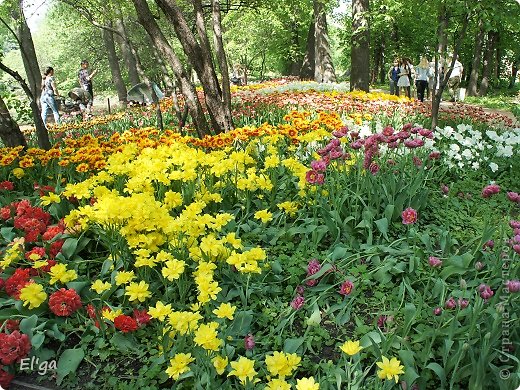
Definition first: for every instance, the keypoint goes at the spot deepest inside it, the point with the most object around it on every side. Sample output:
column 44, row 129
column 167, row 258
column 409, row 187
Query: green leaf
column 7, row 233
column 315, row 317
column 338, row 253
column 122, row 343
column 28, row 324
column 69, row 247
column 68, row 362
column 382, row 225
column 37, row 340
column 292, row 345
column 435, row 367
column 325, row 268
column 242, row 323
column 78, row 286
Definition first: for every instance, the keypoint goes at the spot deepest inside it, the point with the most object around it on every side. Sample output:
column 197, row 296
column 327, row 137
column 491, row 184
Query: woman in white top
column 47, row 100
column 405, row 76
column 422, row 74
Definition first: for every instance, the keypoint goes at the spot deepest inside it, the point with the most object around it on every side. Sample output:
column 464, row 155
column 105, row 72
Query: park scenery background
column 291, row 232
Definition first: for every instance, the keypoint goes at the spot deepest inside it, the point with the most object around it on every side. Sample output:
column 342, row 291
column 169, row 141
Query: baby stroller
column 77, row 104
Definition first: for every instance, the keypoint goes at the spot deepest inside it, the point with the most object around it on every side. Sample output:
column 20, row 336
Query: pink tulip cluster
column 490, row 190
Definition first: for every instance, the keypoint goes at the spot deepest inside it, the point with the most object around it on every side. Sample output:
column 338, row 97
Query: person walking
column 47, row 98
column 393, row 77
column 422, row 74
column 85, row 81
column 454, row 80
column 405, row 75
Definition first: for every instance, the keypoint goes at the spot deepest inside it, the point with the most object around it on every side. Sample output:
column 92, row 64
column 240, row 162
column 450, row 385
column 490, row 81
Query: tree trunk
column 168, row 83
column 202, row 63
column 222, row 60
column 498, row 59
column 147, row 20
column 41, row 131
column 10, row 133
column 308, row 66
column 475, row 64
column 30, row 61
column 514, row 71
column 115, row 70
column 488, row 62
column 442, row 43
column 360, row 52
column 129, row 57
column 324, row 68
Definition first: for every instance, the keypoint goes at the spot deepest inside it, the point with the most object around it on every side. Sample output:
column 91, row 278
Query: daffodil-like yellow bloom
column 220, row 363
column 40, row 263
column 282, row 364
column 12, row 254
column 99, row 286
column 264, row 215
column 289, row 207
column 50, row 198
column 390, row 369
column 179, row 365
column 173, row 269
column 33, row 295
column 225, row 310
column 160, row 311
column 184, row 321
column 307, row 384
column 351, row 347
column 124, row 277
column 110, row 314
column 278, row 384
column 138, row 291
column 59, row 273
column 206, row 337
column 18, row 172
column 243, row 369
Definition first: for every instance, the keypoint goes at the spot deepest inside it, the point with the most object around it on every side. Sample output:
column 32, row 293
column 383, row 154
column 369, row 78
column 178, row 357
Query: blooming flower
column 278, row 384
column 123, row 277
column 450, row 303
column 99, row 287
column 297, row 302
column 64, row 302
column 485, row 291
column 409, row 216
column 307, row 384
column 513, row 285
column 346, row 287
column 125, row 323
column 489, row 190
column 220, row 363
column 225, row 310
column 33, row 295
column 13, row 347
column 390, row 369
column 434, row 262
column 179, row 365
column 351, row 347
column 59, row 273
column 50, row 198
column 282, row 364
column 243, row 369
column 160, row 311
column 264, row 215
column 206, row 337
column 138, row 291
column 437, row 311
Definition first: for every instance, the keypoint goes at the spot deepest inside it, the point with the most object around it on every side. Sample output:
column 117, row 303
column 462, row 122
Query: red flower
column 346, row 287
column 141, row 317
column 409, row 216
column 11, row 325
column 17, row 281
column 13, row 347
column 52, row 231
column 64, row 302
column 55, row 248
column 91, row 311
column 5, row 378
column 6, row 185
column 125, row 323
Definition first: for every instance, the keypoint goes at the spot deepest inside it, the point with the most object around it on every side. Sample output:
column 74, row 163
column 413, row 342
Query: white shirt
column 457, row 69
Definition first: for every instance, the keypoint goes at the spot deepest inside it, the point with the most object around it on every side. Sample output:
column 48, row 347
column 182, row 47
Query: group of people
column 402, row 75
column 82, row 95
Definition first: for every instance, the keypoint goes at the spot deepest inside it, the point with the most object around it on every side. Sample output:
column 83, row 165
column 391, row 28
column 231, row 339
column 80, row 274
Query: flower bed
column 302, row 254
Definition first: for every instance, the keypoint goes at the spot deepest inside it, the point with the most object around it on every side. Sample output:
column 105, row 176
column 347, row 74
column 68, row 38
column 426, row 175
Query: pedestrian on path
column 393, row 77
column 422, row 75
column 47, row 98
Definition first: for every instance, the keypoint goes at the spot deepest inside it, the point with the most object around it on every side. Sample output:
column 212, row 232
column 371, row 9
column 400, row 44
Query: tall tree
column 128, row 53
column 488, row 62
column 475, row 63
column 309, row 60
column 199, row 54
column 324, row 68
column 113, row 61
column 360, row 53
